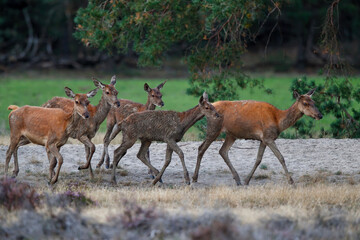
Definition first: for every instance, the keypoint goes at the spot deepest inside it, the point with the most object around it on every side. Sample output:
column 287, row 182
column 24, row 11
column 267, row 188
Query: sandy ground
column 338, row 158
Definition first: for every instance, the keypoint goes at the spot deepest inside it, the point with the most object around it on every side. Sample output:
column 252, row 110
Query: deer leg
column 89, row 149
column 212, row 132
column 55, row 152
column 9, row 153
column 142, row 156
column 105, row 153
column 52, row 162
column 23, row 141
column 201, row 151
column 148, row 159
column 16, row 163
column 224, row 150
column 258, row 161
column 169, row 152
column 277, row 153
column 180, row 153
column 119, row 153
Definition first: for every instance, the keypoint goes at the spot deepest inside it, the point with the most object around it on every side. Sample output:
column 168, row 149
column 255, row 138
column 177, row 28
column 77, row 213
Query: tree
column 214, row 35
column 338, row 96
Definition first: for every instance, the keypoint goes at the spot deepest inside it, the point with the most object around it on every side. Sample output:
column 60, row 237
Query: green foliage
column 213, row 36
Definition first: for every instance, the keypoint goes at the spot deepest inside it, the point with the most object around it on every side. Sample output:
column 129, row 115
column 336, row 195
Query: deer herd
column 60, row 118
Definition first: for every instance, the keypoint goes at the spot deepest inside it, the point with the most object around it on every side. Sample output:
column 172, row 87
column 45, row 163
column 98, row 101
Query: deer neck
column 189, row 118
column 290, row 117
column 102, row 110
column 73, row 120
column 149, row 105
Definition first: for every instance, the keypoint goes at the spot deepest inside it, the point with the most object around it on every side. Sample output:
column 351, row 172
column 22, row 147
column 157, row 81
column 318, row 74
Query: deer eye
column 305, row 104
column 153, row 95
column 77, row 102
column 107, row 93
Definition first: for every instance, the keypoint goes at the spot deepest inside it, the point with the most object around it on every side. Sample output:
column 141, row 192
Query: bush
column 14, row 195
column 135, row 216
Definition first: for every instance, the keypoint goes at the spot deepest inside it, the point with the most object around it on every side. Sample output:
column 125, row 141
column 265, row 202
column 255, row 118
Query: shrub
column 76, row 198
column 14, row 195
column 135, row 216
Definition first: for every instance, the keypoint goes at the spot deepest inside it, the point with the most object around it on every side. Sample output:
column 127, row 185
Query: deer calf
column 47, row 127
column 86, row 129
column 258, row 121
column 127, row 107
column 165, row 126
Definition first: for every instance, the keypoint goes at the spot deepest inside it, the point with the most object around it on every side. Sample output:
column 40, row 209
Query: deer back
column 249, row 119
column 152, row 125
column 126, row 108
column 39, row 124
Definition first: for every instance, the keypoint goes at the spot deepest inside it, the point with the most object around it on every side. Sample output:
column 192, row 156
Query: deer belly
column 34, row 138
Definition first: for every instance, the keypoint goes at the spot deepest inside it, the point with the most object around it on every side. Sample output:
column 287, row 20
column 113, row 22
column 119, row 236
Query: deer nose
column 217, row 115
column 86, row 115
column 320, row 116
column 117, row 104
column 162, row 104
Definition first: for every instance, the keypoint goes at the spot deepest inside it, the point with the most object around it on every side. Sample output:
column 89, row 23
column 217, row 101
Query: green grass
column 30, row 90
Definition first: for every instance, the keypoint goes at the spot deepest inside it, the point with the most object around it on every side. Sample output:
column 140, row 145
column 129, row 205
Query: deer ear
column 147, row 88
column 92, row 93
column 296, row 94
column 69, row 92
column 311, row 92
column 98, row 84
column 205, row 96
column 161, row 85
column 113, row 80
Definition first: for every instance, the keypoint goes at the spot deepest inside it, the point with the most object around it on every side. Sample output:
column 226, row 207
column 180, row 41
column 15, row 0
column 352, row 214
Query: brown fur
column 47, row 127
column 86, row 129
column 254, row 120
column 127, row 108
column 13, row 107
column 166, row 126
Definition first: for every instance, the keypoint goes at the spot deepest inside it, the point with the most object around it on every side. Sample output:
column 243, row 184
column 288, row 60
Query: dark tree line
column 41, row 31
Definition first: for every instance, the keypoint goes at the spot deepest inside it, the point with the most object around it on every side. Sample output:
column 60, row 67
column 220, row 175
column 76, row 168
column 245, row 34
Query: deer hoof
column 291, row 181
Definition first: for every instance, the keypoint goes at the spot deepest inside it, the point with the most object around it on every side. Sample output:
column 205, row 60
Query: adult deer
column 86, row 129
column 47, row 127
column 258, row 121
column 127, row 108
column 165, row 126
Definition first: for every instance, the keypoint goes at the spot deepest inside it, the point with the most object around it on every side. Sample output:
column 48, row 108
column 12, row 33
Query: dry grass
column 317, row 208
column 193, row 198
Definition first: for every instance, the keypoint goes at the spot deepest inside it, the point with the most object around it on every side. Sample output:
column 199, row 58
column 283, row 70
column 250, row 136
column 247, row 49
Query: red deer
column 86, row 129
column 127, row 108
column 258, row 121
column 165, row 126
column 47, row 127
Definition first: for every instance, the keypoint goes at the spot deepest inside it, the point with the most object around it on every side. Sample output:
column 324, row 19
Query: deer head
column 81, row 101
column 207, row 108
column 109, row 91
column 154, row 94
column 306, row 105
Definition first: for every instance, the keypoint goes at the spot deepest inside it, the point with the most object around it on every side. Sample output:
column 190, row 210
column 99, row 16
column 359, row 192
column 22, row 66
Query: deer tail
column 13, row 107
